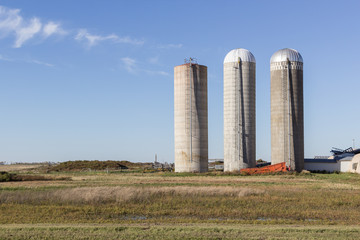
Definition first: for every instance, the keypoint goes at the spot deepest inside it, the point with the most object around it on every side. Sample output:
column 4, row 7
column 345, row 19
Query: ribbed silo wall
column 287, row 123
column 191, row 118
column 239, row 115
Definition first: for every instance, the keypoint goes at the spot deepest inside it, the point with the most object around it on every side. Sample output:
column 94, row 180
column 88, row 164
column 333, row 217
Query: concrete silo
column 239, row 110
column 287, row 109
column 191, row 118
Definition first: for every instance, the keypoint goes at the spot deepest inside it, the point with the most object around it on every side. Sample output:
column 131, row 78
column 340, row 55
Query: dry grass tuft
column 250, row 192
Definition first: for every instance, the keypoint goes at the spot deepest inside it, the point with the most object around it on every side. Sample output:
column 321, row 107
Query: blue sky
column 92, row 79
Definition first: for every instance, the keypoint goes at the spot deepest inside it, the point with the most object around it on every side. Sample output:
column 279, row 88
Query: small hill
column 80, row 165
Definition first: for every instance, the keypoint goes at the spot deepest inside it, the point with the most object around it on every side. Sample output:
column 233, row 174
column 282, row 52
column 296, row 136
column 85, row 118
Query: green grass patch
column 190, row 231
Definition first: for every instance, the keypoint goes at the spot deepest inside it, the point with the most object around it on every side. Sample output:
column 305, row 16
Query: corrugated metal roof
column 286, row 53
column 244, row 55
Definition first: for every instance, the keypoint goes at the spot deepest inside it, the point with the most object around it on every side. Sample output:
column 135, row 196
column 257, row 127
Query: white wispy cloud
column 129, row 40
column 41, row 63
column 129, row 64
column 162, row 73
column 91, row 39
column 132, row 66
column 52, row 28
column 11, row 22
column 154, row 60
column 25, row 33
column 2, row 58
column 84, row 35
column 170, row 45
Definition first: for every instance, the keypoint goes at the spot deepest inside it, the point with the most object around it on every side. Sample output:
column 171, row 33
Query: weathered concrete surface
column 355, row 164
column 287, row 124
column 191, row 80
column 239, row 115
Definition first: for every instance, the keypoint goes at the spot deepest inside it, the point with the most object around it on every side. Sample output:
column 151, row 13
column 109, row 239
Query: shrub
column 8, row 177
column 5, row 176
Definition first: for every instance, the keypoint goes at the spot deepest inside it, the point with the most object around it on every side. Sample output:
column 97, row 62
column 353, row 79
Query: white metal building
column 329, row 165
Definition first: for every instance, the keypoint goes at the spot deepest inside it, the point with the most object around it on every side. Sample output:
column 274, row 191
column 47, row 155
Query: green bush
column 6, row 177
column 10, row 177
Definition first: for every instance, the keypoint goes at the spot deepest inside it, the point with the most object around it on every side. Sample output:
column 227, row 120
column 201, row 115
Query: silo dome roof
column 286, row 53
column 243, row 54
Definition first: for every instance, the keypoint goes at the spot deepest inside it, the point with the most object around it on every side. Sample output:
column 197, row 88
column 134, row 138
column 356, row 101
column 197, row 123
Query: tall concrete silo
column 287, row 109
column 191, row 118
column 239, row 110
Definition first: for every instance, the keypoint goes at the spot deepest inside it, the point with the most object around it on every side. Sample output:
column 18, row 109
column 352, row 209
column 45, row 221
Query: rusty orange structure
column 279, row 167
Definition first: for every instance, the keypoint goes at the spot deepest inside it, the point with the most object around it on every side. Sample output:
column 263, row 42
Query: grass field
column 179, row 231
column 125, row 205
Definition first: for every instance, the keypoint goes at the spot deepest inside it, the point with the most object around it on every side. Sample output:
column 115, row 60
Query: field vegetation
column 138, row 205
column 81, row 165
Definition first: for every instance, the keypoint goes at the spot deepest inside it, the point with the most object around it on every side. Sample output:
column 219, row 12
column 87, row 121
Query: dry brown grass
column 97, row 195
column 115, row 197
column 209, row 180
column 19, row 167
column 294, row 183
column 340, row 186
